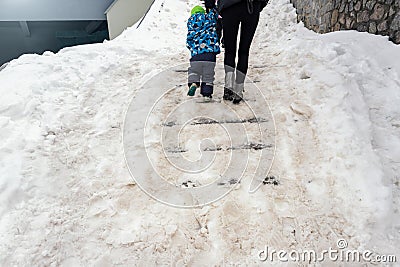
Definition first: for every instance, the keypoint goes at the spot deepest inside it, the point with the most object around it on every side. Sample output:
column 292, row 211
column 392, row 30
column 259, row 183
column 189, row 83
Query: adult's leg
column 219, row 31
column 247, row 31
column 230, row 28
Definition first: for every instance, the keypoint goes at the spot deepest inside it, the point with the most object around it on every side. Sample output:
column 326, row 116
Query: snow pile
column 68, row 197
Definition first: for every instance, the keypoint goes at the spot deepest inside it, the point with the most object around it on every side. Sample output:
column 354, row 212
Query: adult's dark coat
column 223, row 4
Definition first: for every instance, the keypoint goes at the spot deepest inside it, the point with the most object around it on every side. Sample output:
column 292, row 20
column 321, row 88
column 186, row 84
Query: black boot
column 228, row 94
column 238, row 93
column 229, row 84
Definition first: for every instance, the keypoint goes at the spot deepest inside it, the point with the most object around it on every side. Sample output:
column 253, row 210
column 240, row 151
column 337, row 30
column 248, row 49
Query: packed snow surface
column 68, row 198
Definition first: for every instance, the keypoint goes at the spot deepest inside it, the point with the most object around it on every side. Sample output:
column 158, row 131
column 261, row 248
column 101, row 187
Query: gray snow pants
column 202, row 72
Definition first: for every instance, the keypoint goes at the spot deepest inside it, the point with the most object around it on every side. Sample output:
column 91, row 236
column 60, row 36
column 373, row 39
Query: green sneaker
column 192, row 90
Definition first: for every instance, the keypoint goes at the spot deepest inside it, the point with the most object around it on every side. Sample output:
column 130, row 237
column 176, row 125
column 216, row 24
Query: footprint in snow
column 301, row 109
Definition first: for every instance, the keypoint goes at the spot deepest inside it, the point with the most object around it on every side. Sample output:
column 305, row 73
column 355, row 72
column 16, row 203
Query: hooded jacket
column 202, row 35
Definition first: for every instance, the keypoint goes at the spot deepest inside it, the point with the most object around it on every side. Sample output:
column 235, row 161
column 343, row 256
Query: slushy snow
column 68, row 198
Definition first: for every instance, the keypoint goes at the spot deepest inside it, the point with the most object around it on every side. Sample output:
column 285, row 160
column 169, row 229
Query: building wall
column 375, row 16
column 73, row 22
column 14, row 43
column 53, row 10
column 125, row 13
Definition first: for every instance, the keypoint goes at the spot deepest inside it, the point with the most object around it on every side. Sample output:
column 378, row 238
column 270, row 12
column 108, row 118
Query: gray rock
column 325, row 21
column 363, row 16
column 382, row 26
column 370, row 4
column 342, row 6
column 335, row 15
column 357, row 7
column 329, row 6
column 379, row 12
column 362, row 28
column 391, row 11
column 396, row 38
column 349, row 23
column 372, row 27
column 342, row 19
column 322, row 28
column 395, row 25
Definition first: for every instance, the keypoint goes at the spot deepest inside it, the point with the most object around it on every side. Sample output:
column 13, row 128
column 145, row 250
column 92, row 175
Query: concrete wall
column 43, row 37
column 375, row 16
column 125, row 13
column 30, row 26
column 53, row 10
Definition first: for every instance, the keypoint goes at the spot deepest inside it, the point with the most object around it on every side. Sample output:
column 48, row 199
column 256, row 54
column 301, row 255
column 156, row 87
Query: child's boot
column 192, row 89
column 207, row 90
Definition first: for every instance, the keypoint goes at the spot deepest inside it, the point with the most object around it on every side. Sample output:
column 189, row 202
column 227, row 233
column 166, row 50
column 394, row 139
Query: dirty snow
column 68, row 198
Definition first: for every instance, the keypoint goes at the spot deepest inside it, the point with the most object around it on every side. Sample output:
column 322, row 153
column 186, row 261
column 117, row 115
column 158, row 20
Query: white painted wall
column 125, row 13
column 53, row 10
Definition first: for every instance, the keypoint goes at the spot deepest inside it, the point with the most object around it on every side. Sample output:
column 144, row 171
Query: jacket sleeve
column 190, row 35
column 212, row 17
column 209, row 3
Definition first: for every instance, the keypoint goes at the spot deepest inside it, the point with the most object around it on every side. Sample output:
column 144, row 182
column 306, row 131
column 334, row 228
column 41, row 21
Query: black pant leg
column 230, row 28
column 232, row 17
column 248, row 29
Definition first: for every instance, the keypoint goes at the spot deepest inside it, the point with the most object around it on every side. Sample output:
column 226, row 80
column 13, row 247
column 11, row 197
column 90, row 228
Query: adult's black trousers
column 234, row 17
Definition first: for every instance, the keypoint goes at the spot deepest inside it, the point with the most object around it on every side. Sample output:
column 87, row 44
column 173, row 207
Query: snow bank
column 346, row 86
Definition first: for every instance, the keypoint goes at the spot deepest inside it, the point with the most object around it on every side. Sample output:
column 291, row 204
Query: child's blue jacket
column 202, row 35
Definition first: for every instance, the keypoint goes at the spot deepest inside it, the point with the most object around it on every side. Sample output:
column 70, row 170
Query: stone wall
column 375, row 16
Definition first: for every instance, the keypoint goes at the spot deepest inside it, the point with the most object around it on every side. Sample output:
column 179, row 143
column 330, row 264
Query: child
column 203, row 43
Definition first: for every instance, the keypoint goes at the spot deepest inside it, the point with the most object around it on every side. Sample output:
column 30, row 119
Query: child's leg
column 194, row 72
column 194, row 77
column 207, row 85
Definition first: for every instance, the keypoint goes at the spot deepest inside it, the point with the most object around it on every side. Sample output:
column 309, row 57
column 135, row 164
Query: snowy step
column 269, row 180
column 250, row 146
column 204, row 121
